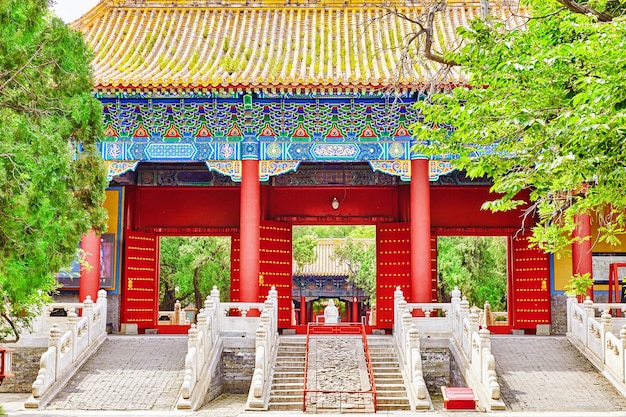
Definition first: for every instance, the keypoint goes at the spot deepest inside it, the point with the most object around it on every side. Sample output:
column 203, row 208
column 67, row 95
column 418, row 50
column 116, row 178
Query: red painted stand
column 458, row 398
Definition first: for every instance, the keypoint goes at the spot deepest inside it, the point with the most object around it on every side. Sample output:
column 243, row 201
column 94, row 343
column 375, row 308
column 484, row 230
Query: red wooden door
column 529, row 285
column 393, row 268
column 140, row 296
column 275, row 267
column 235, row 245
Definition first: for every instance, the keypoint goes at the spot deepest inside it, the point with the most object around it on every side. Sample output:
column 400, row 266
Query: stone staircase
column 288, row 380
column 391, row 392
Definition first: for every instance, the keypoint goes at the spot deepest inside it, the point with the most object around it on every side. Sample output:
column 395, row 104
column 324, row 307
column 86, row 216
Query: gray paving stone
column 538, row 373
column 128, row 373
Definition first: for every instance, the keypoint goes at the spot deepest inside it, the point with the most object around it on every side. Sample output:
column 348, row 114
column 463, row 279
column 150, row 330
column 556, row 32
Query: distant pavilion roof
column 296, row 45
column 325, row 265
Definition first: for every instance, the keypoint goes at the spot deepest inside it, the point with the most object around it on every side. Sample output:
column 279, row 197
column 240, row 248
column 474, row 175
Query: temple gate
column 223, row 130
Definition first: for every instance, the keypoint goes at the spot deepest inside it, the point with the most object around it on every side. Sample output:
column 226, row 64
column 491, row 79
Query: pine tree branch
column 23, row 67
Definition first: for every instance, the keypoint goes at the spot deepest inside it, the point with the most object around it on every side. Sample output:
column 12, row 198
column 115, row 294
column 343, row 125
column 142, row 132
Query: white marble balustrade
column 599, row 332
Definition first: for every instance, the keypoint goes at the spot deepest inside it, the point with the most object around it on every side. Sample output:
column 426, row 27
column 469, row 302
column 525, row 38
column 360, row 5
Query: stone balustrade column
column 589, row 311
column 473, row 320
column 55, row 342
column 88, row 312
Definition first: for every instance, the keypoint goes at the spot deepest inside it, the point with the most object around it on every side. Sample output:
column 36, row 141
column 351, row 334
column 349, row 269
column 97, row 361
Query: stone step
column 384, row 381
column 390, row 374
column 392, row 407
column 282, row 394
column 386, row 400
column 278, row 404
column 289, row 369
column 291, row 351
column 395, row 393
column 291, row 398
column 384, row 357
column 386, row 367
column 285, row 406
column 299, row 360
column 293, row 360
column 280, row 385
column 281, row 376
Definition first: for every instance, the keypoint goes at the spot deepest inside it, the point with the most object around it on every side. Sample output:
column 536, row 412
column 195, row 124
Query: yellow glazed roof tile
column 147, row 44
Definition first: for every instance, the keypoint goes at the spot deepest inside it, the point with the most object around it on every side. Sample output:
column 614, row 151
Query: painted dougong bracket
column 117, row 168
column 267, row 169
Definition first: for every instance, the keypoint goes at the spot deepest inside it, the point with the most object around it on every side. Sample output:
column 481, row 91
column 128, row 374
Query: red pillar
column 582, row 259
column 250, row 223
column 90, row 277
column 421, row 284
column 355, row 310
column 303, row 319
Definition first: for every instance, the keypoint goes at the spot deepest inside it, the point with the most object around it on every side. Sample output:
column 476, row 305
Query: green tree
column 53, row 178
column 544, row 111
column 190, row 267
column 475, row 264
column 304, row 251
column 359, row 257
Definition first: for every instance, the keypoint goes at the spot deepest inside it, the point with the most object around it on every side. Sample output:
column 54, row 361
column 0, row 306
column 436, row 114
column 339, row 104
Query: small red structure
column 6, row 367
column 615, row 296
column 458, row 398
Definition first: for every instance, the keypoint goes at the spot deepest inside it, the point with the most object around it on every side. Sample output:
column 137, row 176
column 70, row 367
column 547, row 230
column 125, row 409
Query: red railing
column 339, row 329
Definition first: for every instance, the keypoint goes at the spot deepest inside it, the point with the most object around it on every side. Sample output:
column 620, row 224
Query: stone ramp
column 128, row 373
column 547, row 373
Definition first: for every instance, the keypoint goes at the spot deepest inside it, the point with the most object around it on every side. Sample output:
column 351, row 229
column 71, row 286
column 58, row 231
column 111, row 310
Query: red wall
column 364, row 204
column 454, row 208
column 459, row 207
column 165, row 207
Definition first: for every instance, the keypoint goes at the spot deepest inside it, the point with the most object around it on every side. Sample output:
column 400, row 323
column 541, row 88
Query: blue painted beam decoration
column 188, row 129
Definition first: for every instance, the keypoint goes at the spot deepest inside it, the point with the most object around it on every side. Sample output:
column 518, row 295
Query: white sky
column 70, row 10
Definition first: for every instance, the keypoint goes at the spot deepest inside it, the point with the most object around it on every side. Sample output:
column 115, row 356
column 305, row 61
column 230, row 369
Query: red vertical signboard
column 141, row 286
column 393, row 268
column 530, row 285
column 275, row 267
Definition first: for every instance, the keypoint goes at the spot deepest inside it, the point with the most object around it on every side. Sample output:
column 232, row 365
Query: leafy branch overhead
column 52, row 176
column 543, row 112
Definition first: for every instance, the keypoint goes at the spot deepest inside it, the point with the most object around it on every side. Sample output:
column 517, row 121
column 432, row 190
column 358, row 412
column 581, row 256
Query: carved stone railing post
column 455, row 306
column 55, row 342
column 88, row 306
column 414, row 361
column 398, row 297
column 72, row 320
column 473, row 320
column 588, row 312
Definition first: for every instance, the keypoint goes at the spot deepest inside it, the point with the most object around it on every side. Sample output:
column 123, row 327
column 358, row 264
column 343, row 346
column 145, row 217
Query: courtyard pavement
column 542, row 376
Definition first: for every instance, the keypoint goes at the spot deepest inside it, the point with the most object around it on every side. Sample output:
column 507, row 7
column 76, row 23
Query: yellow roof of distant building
column 264, row 45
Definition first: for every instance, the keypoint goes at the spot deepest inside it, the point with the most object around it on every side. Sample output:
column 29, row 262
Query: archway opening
column 189, row 267
column 333, row 262
column 477, row 265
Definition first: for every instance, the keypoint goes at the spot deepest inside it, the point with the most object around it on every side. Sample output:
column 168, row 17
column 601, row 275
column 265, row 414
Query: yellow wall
column 563, row 263
column 114, row 204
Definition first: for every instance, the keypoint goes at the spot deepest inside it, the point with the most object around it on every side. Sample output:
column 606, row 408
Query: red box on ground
column 458, row 398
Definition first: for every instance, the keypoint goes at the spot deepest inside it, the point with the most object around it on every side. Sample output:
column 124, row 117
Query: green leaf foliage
column 304, row 251
column 544, row 111
column 475, row 264
column 52, row 176
column 360, row 259
column 190, row 267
